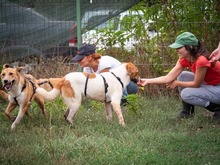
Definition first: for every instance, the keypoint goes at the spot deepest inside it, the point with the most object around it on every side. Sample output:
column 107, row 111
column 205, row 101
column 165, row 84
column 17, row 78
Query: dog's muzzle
column 136, row 80
column 7, row 85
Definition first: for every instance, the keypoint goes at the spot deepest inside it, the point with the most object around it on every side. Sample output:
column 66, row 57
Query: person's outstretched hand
column 215, row 55
column 142, row 82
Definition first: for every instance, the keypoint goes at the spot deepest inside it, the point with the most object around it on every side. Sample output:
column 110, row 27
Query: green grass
column 153, row 135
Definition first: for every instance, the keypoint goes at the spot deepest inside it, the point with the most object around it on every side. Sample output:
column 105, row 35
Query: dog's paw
column 108, row 118
column 13, row 126
column 66, row 114
column 122, row 124
column 13, row 118
column 69, row 121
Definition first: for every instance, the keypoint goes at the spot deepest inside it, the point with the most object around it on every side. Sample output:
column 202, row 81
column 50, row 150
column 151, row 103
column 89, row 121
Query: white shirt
column 104, row 62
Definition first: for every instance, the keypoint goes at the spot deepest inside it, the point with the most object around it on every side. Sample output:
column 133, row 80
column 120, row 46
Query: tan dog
column 21, row 91
column 3, row 95
column 106, row 87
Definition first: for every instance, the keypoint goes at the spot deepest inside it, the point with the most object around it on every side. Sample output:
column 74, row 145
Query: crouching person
column 93, row 62
column 198, row 87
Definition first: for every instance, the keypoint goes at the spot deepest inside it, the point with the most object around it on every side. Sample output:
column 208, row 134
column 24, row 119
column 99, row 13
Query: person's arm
column 104, row 70
column 198, row 80
column 170, row 77
column 105, row 64
column 215, row 55
column 87, row 70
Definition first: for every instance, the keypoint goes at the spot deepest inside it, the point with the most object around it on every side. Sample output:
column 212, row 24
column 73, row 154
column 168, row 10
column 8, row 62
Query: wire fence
column 43, row 34
column 48, row 28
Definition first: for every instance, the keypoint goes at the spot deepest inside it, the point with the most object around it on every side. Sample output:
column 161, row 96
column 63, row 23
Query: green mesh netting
column 47, row 27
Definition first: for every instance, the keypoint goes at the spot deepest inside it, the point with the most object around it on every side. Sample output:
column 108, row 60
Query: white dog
column 106, row 87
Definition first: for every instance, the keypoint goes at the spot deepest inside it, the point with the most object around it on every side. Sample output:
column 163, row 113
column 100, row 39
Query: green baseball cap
column 185, row 38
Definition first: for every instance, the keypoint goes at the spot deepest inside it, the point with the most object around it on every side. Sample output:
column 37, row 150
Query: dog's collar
column 44, row 82
column 119, row 80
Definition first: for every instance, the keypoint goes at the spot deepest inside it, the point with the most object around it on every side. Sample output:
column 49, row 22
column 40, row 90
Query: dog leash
column 119, row 80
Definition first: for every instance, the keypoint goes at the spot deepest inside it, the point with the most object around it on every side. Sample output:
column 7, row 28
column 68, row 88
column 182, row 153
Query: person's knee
column 181, row 76
column 125, row 93
column 185, row 76
column 132, row 88
column 186, row 95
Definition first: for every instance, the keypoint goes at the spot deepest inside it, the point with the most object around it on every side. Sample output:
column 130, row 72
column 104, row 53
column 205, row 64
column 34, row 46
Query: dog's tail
column 51, row 95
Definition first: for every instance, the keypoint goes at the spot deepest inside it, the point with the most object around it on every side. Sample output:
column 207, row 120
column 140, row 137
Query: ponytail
column 198, row 50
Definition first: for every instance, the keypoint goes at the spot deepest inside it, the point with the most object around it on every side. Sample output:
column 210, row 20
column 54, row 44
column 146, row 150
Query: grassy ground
column 153, row 135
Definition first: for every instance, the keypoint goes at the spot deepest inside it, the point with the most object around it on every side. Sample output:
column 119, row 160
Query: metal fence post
column 78, row 19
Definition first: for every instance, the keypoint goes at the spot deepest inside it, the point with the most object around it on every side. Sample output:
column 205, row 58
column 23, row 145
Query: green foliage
column 92, row 105
column 169, row 18
column 134, row 106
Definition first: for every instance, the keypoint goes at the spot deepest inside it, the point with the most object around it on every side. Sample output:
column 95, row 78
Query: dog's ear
column 20, row 69
column 6, row 66
column 131, row 68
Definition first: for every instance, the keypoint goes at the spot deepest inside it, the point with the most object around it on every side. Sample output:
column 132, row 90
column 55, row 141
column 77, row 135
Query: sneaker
column 216, row 116
column 185, row 115
column 124, row 102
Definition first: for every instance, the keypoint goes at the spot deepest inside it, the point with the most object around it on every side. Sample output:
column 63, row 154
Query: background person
column 201, row 87
column 93, row 62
